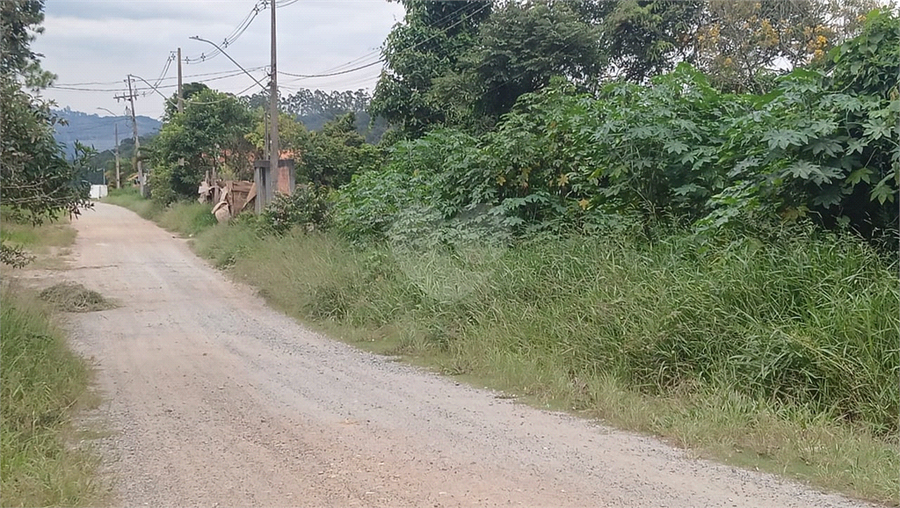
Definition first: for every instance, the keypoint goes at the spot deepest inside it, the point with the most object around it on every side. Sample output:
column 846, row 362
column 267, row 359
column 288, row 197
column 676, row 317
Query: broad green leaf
column 675, row 146
column 856, row 145
column 882, row 192
column 829, row 197
column 859, row 175
column 803, row 169
column 785, row 138
column 876, row 129
column 827, row 145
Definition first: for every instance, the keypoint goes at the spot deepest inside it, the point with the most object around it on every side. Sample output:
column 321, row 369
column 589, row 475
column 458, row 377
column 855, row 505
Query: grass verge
column 130, row 198
column 46, row 243
column 42, row 383
column 187, row 218
column 782, row 357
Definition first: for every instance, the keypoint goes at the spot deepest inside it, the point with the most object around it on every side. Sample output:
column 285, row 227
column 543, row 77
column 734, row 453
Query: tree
column 188, row 91
column 37, row 182
column 315, row 108
column 208, row 135
column 427, row 45
column 337, row 152
column 328, row 157
column 741, row 44
column 643, row 38
column 518, row 50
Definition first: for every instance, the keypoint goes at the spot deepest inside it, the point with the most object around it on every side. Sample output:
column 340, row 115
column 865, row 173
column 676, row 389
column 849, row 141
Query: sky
column 92, row 45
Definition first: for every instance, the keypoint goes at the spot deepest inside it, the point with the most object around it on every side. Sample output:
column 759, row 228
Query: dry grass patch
column 74, row 297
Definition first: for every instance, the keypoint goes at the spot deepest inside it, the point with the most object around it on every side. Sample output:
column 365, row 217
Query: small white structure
column 99, row 191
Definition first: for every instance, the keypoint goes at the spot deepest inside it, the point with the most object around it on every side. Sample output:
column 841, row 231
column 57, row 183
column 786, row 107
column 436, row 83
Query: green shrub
column 307, row 208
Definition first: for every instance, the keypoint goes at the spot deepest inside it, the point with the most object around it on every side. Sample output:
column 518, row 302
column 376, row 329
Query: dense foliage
column 208, row 136
column 38, row 183
column 821, row 144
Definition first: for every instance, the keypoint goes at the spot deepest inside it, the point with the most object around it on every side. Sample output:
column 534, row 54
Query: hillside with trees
column 98, row 131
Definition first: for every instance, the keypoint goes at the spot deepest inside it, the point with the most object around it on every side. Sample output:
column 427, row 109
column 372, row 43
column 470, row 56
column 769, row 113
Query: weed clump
column 73, row 297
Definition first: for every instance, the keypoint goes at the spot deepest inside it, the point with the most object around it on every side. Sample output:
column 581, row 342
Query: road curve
column 213, row 399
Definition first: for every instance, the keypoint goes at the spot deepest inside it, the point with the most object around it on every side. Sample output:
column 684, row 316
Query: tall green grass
column 187, row 218
column 40, row 383
column 781, row 355
column 131, row 198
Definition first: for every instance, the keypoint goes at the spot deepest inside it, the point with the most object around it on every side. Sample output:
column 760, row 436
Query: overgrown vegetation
column 42, row 383
column 38, row 182
column 705, row 250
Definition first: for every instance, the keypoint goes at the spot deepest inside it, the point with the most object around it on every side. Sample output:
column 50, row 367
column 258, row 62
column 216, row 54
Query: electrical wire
column 378, row 51
column 204, row 74
column 381, row 60
column 238, row 94
column 242, row 27
column 231, row 38
column 306, row 76
column 165, row 70
column 230, row 74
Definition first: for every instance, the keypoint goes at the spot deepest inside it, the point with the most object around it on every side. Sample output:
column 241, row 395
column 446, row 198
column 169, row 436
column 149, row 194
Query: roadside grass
column 781, row 357
column 131, row 198
column 48, row 243
column 186, row 218
column 42, row 384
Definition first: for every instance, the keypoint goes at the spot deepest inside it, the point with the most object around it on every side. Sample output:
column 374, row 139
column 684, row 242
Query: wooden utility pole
column 180, row 91
column 118, row 173
column 274, row 154
column 137, row 143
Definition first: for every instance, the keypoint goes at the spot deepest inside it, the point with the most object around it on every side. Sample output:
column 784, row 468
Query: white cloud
column 101, row 42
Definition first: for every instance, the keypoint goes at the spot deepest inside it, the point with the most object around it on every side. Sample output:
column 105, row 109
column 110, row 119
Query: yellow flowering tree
column 740, row 44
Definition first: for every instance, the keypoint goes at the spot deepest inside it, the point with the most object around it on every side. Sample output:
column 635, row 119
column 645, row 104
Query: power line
column 305, row 76
column 204, row 74
column 165, row 70
column 235, row 34
column 230, row 74
column 242, row 27
column 438, row 22
column 406, row 50
column 236, row 94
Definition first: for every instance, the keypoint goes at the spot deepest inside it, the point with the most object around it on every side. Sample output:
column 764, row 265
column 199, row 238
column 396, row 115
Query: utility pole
column 180, row 91
column 118, row 174
column 137, row 142
column 274, row 154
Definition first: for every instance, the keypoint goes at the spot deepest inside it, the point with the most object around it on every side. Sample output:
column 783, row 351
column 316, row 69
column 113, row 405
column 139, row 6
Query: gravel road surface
column 213, row 399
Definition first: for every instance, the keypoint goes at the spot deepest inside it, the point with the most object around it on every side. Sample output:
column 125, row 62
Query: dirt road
column 213, row 399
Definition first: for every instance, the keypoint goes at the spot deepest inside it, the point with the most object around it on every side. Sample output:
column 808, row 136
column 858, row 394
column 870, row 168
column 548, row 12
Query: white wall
column 99, row 191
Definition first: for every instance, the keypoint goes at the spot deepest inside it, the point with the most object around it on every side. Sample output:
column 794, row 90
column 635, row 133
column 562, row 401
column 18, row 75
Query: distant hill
column 99, row 131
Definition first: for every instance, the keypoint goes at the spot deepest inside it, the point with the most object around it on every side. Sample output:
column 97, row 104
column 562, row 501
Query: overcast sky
column 94, row 45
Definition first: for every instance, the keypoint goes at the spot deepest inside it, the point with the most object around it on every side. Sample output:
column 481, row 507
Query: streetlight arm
column 152, row 87
column 197, row 38
column 110, row 112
